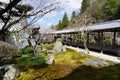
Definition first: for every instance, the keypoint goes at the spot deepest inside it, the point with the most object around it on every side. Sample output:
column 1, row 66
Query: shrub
column 25, row 61
column 6, row 50
column 107, row 42
column 27, row 50
column 47, row 46
column 92, row 40
column 59, row 39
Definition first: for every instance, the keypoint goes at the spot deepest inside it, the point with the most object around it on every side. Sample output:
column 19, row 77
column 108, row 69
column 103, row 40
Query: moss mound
column 69, row 66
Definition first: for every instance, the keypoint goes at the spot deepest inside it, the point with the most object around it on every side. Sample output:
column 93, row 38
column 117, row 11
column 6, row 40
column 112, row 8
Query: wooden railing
column 114, row 49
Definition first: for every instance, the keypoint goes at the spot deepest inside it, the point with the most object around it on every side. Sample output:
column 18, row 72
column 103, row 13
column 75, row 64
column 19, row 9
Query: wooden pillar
column 101, row 42
column 77, row 39
column 73, row 37
column 66, row 39
column 114, row 38
column 87, row 38
column 99, row 39
column 70, row 39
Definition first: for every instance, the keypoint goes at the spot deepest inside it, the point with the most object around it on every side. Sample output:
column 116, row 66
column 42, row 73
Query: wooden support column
column 66, row 38
column 99, row 39
column 114, row 38
column 77, row 40
column 87, row 38
column 101, row 42
column 70, row 38
column 73, row 37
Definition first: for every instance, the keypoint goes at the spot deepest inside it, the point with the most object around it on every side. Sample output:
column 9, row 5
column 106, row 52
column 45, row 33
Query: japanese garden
column 59, row 39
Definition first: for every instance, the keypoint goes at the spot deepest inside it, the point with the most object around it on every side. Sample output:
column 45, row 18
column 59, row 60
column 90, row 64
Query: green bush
column 27, row 50
column 92, row 40
column 47, row 46
column 79, row 37
column 16, row 51
column 25, row 61
column 59, row 39
column 107, row 41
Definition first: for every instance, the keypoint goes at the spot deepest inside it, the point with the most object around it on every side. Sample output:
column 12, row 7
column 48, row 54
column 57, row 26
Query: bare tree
column 35, row 37
column 85, row 19
column 17, row 10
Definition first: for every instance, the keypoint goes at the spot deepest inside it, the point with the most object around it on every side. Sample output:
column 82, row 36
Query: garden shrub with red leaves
column 6, row 50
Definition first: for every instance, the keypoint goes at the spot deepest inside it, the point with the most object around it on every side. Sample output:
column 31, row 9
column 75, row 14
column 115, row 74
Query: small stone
column 50, row 51
column 34, row 58
column 51, row 59
column 38, row 48
column 64, row 49
column 83, row 53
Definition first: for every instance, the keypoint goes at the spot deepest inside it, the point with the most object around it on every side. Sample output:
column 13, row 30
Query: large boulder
column 58, row 46
column 9, row 72
column 96, row 63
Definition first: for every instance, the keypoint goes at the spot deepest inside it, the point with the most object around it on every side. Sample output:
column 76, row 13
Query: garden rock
column 58, row 47
column 83, row 54
column 50, row 51
column 64, row 49
column 96, row 63
column 51, row 59
column 34, row 58
column 9, row 72
column 38, row 48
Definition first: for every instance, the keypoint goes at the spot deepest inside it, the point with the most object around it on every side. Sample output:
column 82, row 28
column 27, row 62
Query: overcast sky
column 54, row 17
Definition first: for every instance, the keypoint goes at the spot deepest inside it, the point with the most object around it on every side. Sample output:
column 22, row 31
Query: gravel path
column 99, row 55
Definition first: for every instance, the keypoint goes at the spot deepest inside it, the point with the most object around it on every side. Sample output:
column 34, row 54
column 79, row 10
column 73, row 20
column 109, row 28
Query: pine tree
column 59, row 26
column 85, row 4
column 65, row 21
column 73, row 17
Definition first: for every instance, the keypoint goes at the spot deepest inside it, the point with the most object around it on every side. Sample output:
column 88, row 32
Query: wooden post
column 114, row 38
column 65, row 38
column 87, row 38
column 77, row 40
column 101, row 42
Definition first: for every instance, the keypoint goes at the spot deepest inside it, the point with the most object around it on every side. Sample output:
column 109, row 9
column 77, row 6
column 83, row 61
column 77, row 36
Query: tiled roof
column 99, row 26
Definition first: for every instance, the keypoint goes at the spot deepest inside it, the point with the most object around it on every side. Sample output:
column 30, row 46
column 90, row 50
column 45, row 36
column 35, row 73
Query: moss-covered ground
column 67, row 66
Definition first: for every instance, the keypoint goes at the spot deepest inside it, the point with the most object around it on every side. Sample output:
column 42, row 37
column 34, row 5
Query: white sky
column 6, row 1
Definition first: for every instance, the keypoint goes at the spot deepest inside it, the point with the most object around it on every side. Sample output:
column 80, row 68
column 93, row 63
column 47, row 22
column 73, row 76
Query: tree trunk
column 85, row 43
column 3, row 34
column 29, row 42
